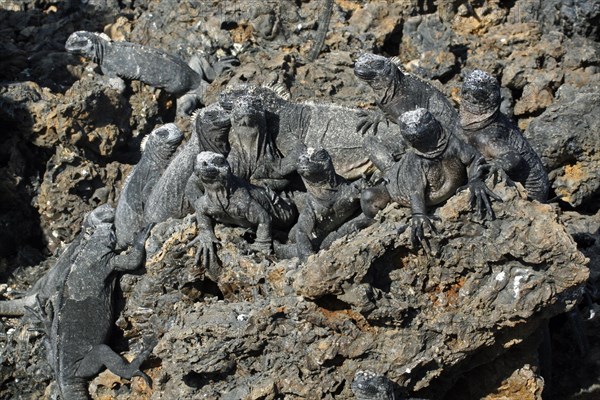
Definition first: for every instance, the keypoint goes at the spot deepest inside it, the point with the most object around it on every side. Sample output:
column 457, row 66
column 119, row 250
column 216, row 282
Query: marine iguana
column 330, row 202
column 437, row 164
column 78, row 318
column 47, row 285
column 157, row 149
column 152, row 66
column 398, row 92
column 497, row 137
column 230, row 200
column 296, row 126
column 368, row 385
column 168, row 198
column 253, row 154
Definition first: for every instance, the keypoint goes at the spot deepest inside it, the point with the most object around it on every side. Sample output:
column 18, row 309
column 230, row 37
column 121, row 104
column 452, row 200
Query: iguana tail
column 322, row 30
column 17, row 307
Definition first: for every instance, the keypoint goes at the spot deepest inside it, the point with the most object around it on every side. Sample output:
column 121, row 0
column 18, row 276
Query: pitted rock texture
column 566, row 138
column 53, row 134
column 369, row 302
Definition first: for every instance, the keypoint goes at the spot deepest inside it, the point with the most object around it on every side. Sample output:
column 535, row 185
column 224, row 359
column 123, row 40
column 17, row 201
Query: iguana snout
column 422, row 131
column 82, row 43
column 217, row 117
column 480, row 92
column 247, row 111
column 372, row 67
column 166, row 137
column 314, row 163
column 211, row 167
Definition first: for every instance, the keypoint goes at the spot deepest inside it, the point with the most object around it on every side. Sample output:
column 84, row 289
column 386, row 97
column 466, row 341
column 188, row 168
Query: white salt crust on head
column 414, row 117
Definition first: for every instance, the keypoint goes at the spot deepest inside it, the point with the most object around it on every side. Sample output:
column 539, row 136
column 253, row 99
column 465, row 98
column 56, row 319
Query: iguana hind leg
column 103, row 356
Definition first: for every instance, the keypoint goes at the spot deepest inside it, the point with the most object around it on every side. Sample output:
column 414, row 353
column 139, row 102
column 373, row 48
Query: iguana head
column 228, row 96
column 84, row 44
column 212, row 125
column 369, row 385
column 272, row 94
column 101, row 214
column 315, row 165
column 247, row 111
column 212, row 169
column 162, row 141
column 423, row 132
column 480, row 93
column 378, row 71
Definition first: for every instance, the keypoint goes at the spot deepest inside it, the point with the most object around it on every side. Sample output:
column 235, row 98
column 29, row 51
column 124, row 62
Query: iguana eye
column 378, row 64
column 219, row 161
column 163, row 133
column 321, row 155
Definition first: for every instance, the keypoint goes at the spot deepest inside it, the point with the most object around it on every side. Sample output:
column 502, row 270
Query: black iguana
column 230, row 200
column 151, row 66
column 498, row 138
column 168, row 198
column 157, row 149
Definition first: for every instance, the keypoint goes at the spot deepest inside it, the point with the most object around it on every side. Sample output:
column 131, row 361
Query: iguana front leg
column 206, row 242
column 264, row 221
column 368, row 120
column 420, row 221
column 304, row 229
column 480, row 193
column 133, row 259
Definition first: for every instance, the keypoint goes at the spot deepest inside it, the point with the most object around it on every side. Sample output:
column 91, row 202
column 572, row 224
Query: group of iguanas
column 255, row 159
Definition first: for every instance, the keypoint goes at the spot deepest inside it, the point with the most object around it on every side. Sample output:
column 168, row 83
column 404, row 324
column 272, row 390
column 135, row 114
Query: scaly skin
column 79, row 316
column 230, row 200
column 296, row 126
column 498, row 138
column 158, row 149
column 330, row 202
column 168, row 198
column 437, row 165
column 253, row 154
column 397, row 92
column 152, row 66
column 46, row 286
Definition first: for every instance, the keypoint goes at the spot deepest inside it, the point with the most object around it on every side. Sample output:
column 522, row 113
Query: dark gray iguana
column 151, row 66
column 396, row 93
column 253, row 154
column 230, row 200
column 78, row 318
column 168, row 198
column 48, row 284
column 497, row 137
column 296, row 126
column 329, row 203
column 157, row 149
column 433, row 169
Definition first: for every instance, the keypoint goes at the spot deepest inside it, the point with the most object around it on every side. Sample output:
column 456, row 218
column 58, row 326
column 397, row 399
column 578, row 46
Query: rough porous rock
column 49, row 102
column 566, row 138
column 71, row 187
column 370, row 302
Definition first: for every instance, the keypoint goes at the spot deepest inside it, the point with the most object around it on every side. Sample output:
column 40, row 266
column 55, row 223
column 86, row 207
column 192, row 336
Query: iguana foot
column 419, row 223
column 187, row 103
column 368, row 121
column 480, row 199
column 225, row 64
